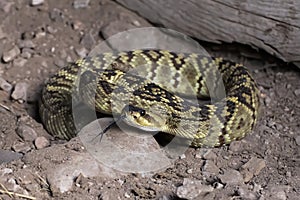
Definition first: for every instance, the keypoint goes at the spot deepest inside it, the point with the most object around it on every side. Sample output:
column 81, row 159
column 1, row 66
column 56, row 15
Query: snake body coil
column 149, row 88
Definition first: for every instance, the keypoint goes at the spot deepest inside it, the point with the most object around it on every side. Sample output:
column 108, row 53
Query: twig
column 11, row 194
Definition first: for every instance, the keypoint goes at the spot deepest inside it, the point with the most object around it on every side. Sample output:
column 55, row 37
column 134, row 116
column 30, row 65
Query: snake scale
column 155, row 96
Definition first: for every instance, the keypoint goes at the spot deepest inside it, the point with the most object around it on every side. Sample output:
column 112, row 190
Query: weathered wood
column 272, row 25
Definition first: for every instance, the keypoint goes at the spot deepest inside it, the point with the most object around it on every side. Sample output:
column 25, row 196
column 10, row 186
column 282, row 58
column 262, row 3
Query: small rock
column 192, row 189
column 252, row 168
column 246, row 194
column 127, row 195
column 4, row 85
column 210, row 167
column 88, row 41
column 231, row 177
column 26, row 133
column 6, row 6
column 236, row 146
column 20, row 91
column 26, row 44
column 51, row 30
column 5, row 171
column 19, row 62
column 36, row 2
column 182, row 156
column 82, row 52
column 41, row 142
column 26, row 55
column 297, row 92
column 78, row 25
column 56, row 15
column 80, row 3
column 21, row 147
column 11, row 54
column 189, row 171
column 59, row 62
column 209, row 155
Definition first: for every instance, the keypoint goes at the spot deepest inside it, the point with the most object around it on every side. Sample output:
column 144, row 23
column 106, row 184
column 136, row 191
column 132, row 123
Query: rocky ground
column 40, row 36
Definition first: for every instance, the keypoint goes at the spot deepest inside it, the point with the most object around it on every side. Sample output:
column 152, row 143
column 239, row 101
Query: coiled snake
column 150, row 100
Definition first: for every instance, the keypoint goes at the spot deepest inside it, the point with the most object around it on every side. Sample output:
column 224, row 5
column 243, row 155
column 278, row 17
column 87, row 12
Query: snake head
column 147, row 120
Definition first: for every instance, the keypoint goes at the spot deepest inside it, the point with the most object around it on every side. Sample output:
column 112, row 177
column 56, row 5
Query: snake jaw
column 142, row 119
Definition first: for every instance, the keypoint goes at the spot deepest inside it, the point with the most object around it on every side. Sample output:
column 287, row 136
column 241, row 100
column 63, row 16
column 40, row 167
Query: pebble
column 236, row 146
column 56, row 15
column 25, row 54
column 210, row 155
column 26, row 133
column 77, row 25
column 297, row 92
column 19, row 62
column 6, row 6
column 182, row 156
column 37, row 2
column 210, row 167
column 246, row 194
column 80, row 3
column 26, row 44
column 82, row 52
column 4, row 85
column 51, row 30
column 41, row 142
column 11, row 54
column 59, row 62
column 20, row 91
column 297, row 139
column 192, row 189
column 231, row 177
column 252, row 168
column 88, row 41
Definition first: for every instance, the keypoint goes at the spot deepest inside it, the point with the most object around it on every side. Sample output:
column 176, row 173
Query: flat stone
column 26, row 44
column 193, row 189
column 20, row 91
column 11, row 54
column 210, row 168
column 127, row 150
column 252, row 168
column 26, row 133
column 8, row 156
column 41, row 142
column 62, row 176
column 19, row 62
column 21, row 147
column 88, row 40
column 4, row 85
column 231, row 177
column 244, row 193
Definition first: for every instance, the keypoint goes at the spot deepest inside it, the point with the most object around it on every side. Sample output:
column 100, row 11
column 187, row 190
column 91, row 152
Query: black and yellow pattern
column 156, row 84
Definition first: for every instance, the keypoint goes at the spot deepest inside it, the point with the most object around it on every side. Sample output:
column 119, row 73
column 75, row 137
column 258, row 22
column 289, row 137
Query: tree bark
column 272, row 25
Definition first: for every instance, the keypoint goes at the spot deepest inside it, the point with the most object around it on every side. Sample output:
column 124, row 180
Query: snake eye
column 142, row 112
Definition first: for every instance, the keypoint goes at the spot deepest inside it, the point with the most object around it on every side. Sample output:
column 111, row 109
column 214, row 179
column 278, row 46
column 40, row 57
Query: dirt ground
column 35, row 41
